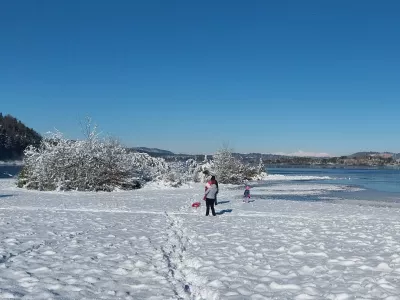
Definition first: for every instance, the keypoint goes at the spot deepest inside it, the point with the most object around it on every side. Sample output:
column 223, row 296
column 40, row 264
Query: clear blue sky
column 265, row 76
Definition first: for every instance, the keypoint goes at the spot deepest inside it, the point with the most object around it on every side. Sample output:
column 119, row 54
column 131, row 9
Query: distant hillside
column 152, row 151
column 357, row 159
column 15, row 137
column 372, row 153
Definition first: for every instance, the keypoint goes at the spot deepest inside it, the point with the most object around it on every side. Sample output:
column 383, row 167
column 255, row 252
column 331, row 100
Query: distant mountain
column 15, row 137
column 152, row 151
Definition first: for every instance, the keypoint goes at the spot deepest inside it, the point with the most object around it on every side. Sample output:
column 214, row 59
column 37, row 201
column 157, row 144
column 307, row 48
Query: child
column 246, row 195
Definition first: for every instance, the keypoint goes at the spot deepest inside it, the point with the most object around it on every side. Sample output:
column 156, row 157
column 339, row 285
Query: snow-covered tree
column 230, row 169
column 226, row 167
column 147, row 168
column 261, row 166
column 261, row 171
column 198, row 172
column 92, row 164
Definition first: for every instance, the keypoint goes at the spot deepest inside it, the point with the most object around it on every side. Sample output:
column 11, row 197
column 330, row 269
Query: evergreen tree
column 15, row 137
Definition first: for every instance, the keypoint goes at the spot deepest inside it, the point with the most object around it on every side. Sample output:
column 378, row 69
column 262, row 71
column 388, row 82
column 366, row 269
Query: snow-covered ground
column 150, row 244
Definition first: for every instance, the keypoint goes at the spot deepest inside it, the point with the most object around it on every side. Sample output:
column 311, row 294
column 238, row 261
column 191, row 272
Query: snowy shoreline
column 150, row 244
column 18, row 163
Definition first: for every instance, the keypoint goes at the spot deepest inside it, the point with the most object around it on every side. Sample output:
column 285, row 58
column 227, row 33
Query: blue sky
column 188, row 76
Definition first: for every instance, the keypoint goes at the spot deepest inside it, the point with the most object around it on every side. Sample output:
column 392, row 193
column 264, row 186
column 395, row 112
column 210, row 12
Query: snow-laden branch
column 92, row 164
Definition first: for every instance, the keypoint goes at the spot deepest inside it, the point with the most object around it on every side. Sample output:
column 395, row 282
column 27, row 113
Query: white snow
column 277, row 177
column 150, row 244
column 11, row 163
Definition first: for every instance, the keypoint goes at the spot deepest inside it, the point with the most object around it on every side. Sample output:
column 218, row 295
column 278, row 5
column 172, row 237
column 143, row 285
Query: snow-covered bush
column 92, row 164
column 230, row 169
column 261, row 171
column 227, row 167
column 224, row 165
column 173, row 179
column 198, row 172
column 147, row 168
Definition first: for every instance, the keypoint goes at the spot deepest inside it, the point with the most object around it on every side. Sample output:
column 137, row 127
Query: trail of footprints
column 173, row 262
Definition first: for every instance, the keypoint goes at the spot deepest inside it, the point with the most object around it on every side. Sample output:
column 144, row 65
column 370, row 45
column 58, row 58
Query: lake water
column 380, row 184
column 9, row 171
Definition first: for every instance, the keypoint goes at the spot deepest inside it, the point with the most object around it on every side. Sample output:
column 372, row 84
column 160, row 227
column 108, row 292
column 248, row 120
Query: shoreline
column 350, row 167
column 11, row 163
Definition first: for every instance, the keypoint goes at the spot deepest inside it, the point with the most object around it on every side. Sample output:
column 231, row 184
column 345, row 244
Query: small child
column 246, row 195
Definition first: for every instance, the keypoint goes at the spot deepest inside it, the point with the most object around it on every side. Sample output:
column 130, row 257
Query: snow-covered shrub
column 147, row 168
column 227, row 168
column 204, row 171
column 261, row 171
column 191, row 165
column 198, row 172
column 92, row 164
column 173, row 179
column 230, row 169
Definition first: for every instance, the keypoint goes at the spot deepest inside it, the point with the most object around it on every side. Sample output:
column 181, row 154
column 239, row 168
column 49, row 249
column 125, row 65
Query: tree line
column 15, row 137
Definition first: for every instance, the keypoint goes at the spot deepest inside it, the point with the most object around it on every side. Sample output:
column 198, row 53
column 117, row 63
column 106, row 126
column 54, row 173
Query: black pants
column 210, row 203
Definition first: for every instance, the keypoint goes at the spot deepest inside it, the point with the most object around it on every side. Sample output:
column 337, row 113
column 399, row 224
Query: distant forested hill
column 15, row 137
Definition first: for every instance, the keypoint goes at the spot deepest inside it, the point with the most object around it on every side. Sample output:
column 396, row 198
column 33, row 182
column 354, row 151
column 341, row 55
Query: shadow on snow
column 223, row 202
column 221, row 212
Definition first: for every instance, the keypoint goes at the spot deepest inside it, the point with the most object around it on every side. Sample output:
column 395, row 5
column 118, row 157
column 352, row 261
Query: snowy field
column 150, row 244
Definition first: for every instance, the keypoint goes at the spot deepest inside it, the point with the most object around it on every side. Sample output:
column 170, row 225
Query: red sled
column 196, row 204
